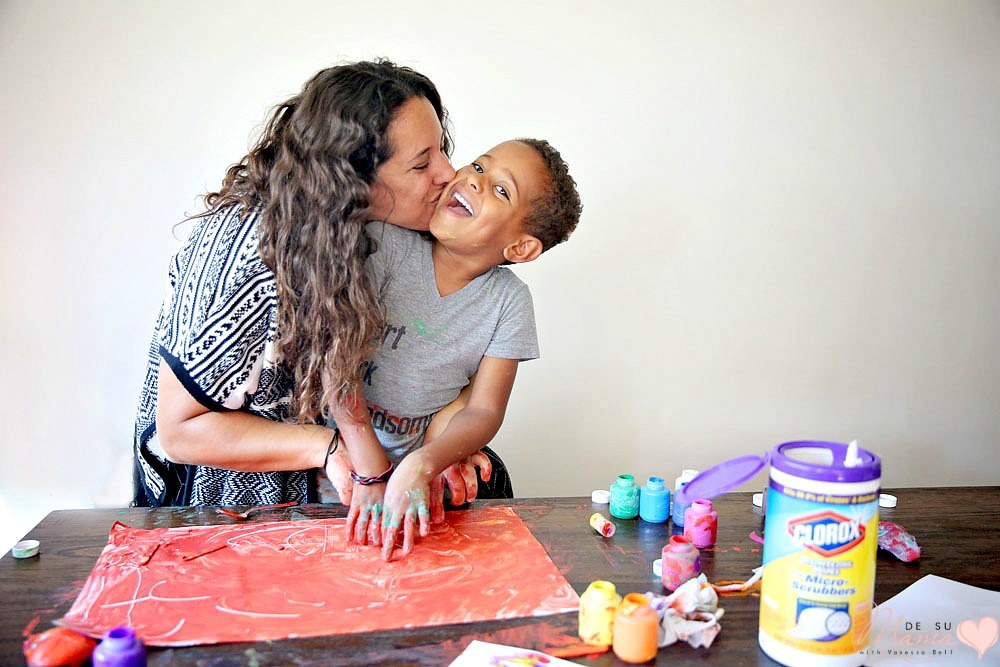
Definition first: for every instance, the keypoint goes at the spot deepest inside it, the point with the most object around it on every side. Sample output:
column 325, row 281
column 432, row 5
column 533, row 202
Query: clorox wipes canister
column 820, row 543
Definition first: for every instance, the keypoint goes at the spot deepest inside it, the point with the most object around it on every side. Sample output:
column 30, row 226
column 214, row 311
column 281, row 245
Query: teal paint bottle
column 624, row 498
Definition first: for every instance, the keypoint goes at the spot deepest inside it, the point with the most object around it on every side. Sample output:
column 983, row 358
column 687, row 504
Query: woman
column 269, row 315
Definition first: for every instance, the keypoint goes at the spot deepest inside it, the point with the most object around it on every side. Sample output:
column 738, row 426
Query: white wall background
column 791, row 226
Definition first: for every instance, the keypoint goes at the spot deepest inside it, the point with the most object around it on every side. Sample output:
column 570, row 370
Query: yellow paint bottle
column 597, row 612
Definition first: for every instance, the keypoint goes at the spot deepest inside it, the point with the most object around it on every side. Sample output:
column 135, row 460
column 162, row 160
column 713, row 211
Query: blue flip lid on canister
column 788, row 457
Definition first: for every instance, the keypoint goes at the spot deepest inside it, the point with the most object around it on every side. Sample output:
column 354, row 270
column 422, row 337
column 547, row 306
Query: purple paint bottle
column 680, row 562
column 701, row 523
column 120, row 648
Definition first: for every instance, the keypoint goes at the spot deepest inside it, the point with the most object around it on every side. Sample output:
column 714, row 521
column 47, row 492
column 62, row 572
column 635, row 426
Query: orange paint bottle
column 636, row 629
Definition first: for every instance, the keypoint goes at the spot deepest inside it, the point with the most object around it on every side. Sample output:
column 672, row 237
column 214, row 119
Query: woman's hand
column 338, row 471
column 365, row 516
column 461, row 478
column 406, row 504
column 462, row 481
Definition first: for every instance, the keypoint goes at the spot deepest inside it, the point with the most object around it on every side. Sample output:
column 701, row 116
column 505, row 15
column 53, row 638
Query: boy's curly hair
column 555, row 213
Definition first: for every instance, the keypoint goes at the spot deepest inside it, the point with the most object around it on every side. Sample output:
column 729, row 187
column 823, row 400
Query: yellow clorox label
column 819, row 569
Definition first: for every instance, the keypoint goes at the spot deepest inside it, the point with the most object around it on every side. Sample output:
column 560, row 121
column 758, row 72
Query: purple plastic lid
column 729, row 474
column 831, row 470
column 721, row 478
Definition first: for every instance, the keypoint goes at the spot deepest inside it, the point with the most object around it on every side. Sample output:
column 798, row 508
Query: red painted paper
column 263, row 581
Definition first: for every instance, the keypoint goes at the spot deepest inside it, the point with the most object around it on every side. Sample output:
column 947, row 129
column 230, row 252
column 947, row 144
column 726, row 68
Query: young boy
column 453, row 313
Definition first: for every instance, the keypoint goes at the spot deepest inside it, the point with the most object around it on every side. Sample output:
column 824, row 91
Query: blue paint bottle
column 679, row 507
column 654, row 501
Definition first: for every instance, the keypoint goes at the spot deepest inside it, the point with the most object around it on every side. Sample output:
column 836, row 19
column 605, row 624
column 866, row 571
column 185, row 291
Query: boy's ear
column 524, row 249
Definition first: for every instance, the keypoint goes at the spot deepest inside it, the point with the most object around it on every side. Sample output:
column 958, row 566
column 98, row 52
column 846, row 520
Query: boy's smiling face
column 481, row 210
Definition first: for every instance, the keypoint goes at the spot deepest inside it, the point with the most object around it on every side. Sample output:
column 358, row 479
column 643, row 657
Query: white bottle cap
column 886, row 500
column 658, row 567
column 600, row 496
column 686, row 476
column 25, row 549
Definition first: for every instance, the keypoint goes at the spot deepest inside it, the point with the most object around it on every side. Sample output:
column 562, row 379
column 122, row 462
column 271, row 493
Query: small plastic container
column 654, row 501
column 636, row 629
column 119, row 648
column 680, row 505
column 604, row 527
column 624, row 498
column 701, row 523
column 597, row 612
column 681, row 562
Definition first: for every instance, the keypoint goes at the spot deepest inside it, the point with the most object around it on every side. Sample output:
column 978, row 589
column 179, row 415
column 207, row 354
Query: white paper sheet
column 485, row 654
column 926, row 624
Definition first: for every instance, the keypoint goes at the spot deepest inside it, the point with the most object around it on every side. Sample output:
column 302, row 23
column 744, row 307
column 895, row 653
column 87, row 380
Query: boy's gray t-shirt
column 432, row 345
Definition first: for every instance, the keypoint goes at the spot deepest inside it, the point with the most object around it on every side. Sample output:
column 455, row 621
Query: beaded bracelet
column 334, row 443
column 375, row 479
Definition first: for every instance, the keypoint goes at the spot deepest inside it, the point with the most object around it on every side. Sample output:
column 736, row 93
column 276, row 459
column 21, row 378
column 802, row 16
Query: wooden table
column 956, row 528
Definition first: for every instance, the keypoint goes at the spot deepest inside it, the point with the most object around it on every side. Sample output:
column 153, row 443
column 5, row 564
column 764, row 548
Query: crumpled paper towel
column 691, row 613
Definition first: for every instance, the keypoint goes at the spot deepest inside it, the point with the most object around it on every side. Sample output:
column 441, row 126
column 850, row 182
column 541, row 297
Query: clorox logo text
column 826, row 533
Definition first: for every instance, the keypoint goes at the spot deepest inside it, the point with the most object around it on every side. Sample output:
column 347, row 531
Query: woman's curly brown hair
column 309, row 174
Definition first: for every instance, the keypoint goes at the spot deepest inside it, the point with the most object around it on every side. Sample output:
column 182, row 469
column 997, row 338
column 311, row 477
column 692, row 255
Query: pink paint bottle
column 680, row 562
column 701, row 523
column 636, row 630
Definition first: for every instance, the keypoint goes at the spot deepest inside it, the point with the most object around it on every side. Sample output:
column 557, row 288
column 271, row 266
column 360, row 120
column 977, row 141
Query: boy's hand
column 406, row 505
column 365, row 516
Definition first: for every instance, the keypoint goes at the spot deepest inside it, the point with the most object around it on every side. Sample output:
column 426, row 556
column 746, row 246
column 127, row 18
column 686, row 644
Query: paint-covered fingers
column 416, row 522
column 368, row 529
column 390, row 533
column 363, row 518
column 409, row 521
column 471, row 481
column 423, row 519
column 409, row 532
column 462, row 480
column 361, row 527
column 455, row 480
column 352, row 522
column 481, row 461
column 437, row 500
column 375, row 525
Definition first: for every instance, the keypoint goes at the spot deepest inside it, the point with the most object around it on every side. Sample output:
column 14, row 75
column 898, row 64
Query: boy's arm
column 469, row 430
column 461, row 478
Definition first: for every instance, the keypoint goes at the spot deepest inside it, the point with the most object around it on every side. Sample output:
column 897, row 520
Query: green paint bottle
column 624, row 498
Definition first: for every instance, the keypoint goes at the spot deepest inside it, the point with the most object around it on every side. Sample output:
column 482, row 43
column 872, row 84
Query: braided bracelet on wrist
column 381, row 478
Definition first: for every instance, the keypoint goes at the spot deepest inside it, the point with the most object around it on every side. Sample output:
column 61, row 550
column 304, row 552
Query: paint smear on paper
column 267, row 581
